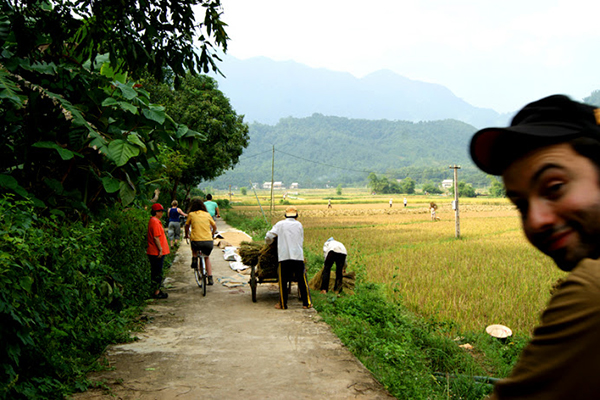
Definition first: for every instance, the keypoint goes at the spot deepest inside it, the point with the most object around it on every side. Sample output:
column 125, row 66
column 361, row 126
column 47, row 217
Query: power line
column 255, row 155
column 320, row 163
column 314, row 162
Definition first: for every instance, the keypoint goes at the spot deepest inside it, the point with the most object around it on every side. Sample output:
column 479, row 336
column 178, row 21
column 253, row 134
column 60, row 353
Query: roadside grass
column 421, row 293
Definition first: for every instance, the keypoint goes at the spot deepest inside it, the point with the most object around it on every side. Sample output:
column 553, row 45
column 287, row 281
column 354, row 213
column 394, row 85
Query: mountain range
column 264, row 90
column 323, row 127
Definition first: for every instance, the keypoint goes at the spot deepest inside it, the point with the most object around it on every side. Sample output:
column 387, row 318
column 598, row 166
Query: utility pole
column 272, row 174
column 258, row 201
column 455, row 202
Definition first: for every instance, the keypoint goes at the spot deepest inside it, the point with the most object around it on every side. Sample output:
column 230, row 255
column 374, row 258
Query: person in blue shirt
column 212, row 207
column 174, row 227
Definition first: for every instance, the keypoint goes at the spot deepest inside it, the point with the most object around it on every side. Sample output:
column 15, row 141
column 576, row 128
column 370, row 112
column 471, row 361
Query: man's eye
column 554, row 190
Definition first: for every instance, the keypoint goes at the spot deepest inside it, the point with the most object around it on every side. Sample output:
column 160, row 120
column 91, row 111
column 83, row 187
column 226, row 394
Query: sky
column 492, row 54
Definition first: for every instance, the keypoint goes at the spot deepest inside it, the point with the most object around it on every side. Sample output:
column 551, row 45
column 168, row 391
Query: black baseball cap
column 551, row 120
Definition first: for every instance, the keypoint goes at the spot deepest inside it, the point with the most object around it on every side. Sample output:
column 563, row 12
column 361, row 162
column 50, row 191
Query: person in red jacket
column 158, row 248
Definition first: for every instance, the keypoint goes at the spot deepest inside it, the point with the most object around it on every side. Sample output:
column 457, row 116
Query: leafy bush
column 67, row 292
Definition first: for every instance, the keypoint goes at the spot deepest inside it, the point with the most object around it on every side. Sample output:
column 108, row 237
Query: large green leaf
column 65, row 154
column 155, row 113
column 9, row 182
column 127, row 91
column 128, row 107
column 108, row 71
column 109, row 101
column 9, row 89
column 120, row 151
column 41, row 67
column 135, row 139
column 181, row 130
column 111, row 184
column 127, row 193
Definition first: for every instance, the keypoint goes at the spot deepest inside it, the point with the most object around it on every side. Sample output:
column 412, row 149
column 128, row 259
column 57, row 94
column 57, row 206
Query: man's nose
column 541, row 215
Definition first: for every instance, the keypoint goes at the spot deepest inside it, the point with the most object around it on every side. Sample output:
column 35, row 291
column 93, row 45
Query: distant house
column 447, row 183
column 294, row 185
column 276, row 185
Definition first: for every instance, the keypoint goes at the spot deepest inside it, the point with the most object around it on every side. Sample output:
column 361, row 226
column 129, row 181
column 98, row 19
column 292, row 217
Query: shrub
column 67, row 292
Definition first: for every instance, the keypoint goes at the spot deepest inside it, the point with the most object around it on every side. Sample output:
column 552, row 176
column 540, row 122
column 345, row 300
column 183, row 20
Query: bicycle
column 200, row 273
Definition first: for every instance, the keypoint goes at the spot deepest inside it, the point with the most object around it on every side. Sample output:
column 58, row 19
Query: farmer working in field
column 549, row 159
column 290, row 254
column 334, row 252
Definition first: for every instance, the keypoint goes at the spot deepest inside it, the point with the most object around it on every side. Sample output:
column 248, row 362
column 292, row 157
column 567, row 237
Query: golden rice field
column 491, row 275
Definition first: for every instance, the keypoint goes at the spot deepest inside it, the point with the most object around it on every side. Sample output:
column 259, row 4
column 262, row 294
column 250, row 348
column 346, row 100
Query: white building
column 447, row 183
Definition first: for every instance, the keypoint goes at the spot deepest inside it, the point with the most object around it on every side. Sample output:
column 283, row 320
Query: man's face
column 558, row 195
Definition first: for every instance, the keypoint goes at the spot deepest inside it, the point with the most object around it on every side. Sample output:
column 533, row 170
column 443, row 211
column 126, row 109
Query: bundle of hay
column 268, row 261
column 250, row 251
column 262, row 256
column 348, row 281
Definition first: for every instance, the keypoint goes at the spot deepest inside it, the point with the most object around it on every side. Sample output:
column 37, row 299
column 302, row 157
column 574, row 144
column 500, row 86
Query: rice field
column 491, row 275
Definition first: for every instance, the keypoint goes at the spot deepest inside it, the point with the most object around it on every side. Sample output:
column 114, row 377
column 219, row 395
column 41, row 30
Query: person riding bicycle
column 203, row 227
column 212, row 207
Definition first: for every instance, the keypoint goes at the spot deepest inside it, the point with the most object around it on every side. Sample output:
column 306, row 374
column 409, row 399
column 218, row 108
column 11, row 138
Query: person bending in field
column 290, row 254
column 549, row 159
column 203, row 227
column 334, row 252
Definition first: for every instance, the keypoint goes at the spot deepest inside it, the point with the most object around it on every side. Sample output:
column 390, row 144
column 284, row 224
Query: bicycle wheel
column 204, row 277
column 253, row 283
column 198, row 276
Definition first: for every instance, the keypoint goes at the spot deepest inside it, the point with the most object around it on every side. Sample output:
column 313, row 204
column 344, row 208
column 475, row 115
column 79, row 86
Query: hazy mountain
column 265, row 90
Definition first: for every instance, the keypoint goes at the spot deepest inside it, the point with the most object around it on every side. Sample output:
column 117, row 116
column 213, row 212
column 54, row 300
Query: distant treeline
column 322, row 150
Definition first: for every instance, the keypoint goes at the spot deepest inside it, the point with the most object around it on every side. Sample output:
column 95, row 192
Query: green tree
column 593, row 99
column 338, row 191
column 75, row 127
column 198, row 103
column 408, row 186
column 244, row 190
column 431, row 188
column 375, row 183
column 497, row 188
column 464, row 190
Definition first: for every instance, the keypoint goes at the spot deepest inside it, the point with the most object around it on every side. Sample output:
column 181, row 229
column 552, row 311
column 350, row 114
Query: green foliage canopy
column 497, row 189
column 75, row 128
column 464, row 190
column 199, row 104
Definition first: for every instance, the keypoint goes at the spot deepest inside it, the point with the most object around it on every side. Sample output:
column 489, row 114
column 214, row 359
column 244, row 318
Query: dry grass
column 490, row 275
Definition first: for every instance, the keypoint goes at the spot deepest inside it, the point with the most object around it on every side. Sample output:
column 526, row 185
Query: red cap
column 157, row 207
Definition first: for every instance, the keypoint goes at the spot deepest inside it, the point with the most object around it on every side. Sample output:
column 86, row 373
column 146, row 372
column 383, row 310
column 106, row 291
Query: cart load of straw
column 261, row 255
column 348, row 281
column 249, row 251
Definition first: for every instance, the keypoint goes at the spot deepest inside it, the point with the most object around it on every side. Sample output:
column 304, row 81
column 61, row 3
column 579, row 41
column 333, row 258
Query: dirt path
column 224, row 346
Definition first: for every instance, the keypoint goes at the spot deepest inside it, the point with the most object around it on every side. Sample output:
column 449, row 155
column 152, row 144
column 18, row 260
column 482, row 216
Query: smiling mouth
column 557, row 241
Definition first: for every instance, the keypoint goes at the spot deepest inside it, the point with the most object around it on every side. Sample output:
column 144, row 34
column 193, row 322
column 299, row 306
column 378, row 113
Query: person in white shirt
column 334, row 252
column 290, row 239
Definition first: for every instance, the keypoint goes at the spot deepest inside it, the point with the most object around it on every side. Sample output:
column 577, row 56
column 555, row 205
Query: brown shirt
column 563, row 359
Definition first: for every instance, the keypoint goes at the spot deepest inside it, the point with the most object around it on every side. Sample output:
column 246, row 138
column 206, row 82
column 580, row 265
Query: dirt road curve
column 224, row 346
